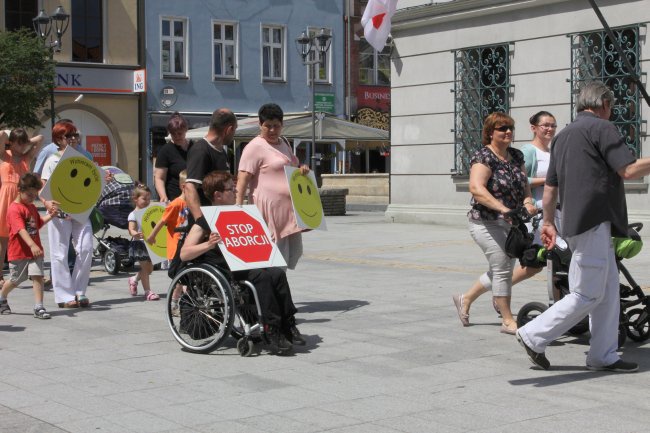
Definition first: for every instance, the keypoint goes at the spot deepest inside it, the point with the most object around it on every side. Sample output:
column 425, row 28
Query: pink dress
column 10, row 173
column 269, row 184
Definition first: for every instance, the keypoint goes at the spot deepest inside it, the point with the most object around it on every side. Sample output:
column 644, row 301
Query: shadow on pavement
column 342, row 305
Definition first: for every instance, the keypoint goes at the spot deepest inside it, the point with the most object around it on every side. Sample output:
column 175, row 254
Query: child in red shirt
column 25, row 250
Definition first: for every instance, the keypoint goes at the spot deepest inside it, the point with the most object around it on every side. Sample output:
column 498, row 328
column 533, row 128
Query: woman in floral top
column 498, row 184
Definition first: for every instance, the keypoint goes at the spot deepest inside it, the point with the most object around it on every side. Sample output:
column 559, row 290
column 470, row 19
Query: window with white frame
column 324, row 70
column 273, row 53
column 374, row 66
column 173, row 48
column 225, row 39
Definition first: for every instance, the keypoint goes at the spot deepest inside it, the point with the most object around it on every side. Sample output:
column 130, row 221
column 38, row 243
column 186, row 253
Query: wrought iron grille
column 594, row 57
column 481, row 87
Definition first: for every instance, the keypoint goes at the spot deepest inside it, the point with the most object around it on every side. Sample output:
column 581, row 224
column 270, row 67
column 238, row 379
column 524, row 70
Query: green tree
column 26, row 78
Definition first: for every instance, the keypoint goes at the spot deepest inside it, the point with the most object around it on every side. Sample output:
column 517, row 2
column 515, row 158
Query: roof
column 328, row 127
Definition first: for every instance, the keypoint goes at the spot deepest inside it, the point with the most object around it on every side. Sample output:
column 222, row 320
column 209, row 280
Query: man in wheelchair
column 272, row 286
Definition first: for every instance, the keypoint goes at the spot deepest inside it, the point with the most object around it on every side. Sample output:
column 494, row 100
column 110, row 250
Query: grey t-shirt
column 585, row 158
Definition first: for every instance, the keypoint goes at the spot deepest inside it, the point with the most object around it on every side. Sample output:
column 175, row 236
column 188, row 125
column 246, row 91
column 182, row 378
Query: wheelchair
column 212, row 307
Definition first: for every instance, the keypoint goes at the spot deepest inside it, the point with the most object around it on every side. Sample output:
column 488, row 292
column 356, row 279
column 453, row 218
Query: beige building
column 455, row 62
column 95, row 73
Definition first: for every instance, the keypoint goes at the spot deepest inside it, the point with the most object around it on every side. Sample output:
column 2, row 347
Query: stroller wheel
column 529, row 311
column 638, row 327
column 111, row 262
column 621, row 335
column 581, row 327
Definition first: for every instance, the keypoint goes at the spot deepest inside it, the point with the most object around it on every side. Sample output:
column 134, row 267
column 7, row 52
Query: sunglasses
column 75, row 135
column 504, row 128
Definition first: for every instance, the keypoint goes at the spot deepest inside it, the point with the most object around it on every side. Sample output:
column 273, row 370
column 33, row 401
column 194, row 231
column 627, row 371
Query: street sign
column 324, row 102
column 245, row 239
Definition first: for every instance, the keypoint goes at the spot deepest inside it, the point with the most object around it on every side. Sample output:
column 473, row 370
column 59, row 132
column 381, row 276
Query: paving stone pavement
column 385, row 353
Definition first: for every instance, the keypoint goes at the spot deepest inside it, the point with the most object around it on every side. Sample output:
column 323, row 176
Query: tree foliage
column 26, row 78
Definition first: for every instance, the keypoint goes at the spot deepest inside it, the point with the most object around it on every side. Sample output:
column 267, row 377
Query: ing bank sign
column 113, row 81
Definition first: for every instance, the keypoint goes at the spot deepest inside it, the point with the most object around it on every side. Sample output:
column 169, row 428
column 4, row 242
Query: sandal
column 42, row 313
column 4, row 307
column 151, row 296
column 83, row 301
column 69, row 304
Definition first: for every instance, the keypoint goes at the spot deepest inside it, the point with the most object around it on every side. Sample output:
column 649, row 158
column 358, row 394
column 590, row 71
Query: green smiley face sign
column 306, row 199
column 76, row 184
column 150, row 218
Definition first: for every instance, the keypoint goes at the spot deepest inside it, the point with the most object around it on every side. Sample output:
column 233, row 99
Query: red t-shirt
column 23, row 216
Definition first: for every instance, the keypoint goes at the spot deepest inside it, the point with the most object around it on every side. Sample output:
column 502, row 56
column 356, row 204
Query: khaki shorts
column 19, row 270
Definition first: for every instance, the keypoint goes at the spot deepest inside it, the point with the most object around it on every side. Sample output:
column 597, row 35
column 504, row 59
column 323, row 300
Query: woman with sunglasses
column 69, row 291
column 498, row 184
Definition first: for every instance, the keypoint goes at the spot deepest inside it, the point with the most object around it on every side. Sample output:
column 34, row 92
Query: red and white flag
column 376, row 21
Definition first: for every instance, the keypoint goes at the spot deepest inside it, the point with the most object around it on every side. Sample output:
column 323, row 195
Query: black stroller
column 634, row 319
column 113, row 209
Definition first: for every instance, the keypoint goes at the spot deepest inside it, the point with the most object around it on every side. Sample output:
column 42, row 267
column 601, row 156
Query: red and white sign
column 376, row 21
column 375, row 97
column 245, row 239
column 139, row 81
column 100, row 148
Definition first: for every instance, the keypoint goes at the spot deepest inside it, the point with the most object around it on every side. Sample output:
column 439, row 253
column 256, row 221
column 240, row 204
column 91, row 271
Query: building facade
column 456, row 62
column 202, row 55
column 95, row 73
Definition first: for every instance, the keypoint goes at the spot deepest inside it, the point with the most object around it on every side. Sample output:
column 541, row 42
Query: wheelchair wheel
column 245, row 346
column 111, row 262
column 206, row 309
column 638, row 327
column 529, row 311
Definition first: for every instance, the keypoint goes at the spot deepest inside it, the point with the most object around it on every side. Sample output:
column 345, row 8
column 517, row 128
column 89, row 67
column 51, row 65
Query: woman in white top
column 69, row 290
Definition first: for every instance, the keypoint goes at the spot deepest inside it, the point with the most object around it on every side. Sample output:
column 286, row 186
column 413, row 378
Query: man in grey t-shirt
column 589, row 161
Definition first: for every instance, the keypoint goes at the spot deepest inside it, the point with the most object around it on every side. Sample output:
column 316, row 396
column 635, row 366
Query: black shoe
column 277, row 341
column 296, row 337
column 619, row 366
column 539, row 359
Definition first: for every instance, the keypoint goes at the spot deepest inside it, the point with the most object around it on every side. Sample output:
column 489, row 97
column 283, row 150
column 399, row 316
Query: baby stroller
column 113, row 209
column 635, row 305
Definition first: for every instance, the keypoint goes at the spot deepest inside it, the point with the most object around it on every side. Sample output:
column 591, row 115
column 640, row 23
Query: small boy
column 175, row 216
column 25, row 250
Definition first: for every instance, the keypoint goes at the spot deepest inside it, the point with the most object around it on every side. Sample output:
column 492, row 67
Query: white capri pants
column 594, row 285
column 66, row 287
column 491, row 237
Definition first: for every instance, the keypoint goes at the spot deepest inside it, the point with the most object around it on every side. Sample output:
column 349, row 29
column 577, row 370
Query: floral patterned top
column 507, row 183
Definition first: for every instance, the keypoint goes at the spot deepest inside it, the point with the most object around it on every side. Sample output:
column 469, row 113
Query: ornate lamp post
column 43, row 26
column 304, row 44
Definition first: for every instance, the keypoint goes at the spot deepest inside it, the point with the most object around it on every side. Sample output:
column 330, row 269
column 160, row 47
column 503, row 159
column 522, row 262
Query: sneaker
column 4, row 307
column 133, row 286
column 41, row 313
column 295, row 336
column 539, row 359
column 619, row 366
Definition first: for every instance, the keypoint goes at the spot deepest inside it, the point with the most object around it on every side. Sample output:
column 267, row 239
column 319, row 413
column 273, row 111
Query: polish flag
column 376, row 21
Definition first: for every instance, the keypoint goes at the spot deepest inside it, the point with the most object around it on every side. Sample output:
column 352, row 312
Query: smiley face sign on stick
column 305, row 197
column 76, row 184
column 148, row 218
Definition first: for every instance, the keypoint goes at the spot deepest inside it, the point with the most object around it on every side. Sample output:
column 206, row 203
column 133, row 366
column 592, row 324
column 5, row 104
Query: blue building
column 240, row 54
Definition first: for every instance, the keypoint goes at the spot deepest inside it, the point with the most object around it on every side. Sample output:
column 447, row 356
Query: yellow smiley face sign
column 150, row 218
column 76, row 184
column 306, row 199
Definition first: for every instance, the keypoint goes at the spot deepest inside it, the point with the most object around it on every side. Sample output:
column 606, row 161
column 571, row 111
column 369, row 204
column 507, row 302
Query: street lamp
column 43, row 25
column 304, row 44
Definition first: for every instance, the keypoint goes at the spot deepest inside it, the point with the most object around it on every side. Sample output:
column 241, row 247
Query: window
column 173, row 48
column 481, row 87
column 594, row 57
column 374, row 66
column 19, row 13
column 273, row 52
column 87, row 31
column 324, row 69
column 224, row 52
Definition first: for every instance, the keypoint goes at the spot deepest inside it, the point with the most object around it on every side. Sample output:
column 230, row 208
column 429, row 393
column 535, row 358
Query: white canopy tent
column 298, row 127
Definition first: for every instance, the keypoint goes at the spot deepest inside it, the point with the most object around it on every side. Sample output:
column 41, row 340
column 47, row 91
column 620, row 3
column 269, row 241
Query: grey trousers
column 491, row 237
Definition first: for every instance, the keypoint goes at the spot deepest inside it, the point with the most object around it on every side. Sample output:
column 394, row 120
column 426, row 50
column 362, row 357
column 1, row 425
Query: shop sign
column 324, row 102
column 375, row 97
column 94, row 80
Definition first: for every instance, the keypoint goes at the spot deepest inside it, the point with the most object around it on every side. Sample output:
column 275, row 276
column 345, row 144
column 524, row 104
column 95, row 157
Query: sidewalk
column 385, row 353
